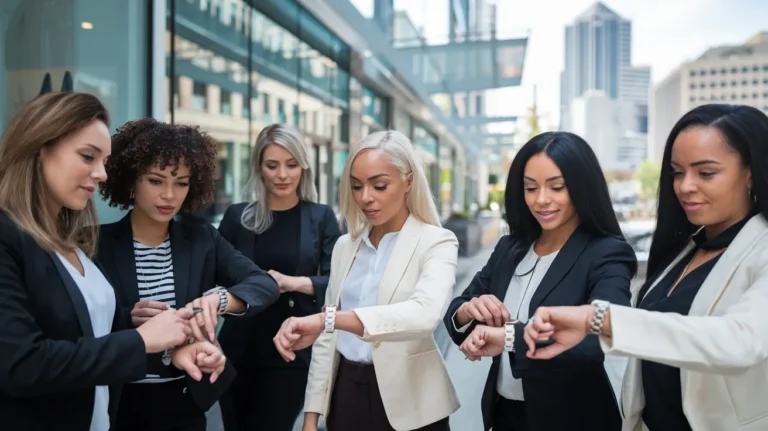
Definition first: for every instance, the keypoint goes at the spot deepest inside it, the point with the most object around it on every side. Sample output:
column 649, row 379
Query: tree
column 648, row 175
column 533, row 118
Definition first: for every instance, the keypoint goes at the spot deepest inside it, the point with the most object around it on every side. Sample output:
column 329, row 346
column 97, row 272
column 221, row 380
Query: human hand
column 207, row 319
column 483, row 341
column 567, row 326
column 168, row 329
column 298, row 333
column 198, row 358
column 145, row 310
column 487, row 309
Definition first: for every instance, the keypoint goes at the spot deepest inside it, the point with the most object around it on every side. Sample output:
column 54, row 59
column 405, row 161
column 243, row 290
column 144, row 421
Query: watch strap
column 330, row 318
column 601, row 309
column 509, row 336
column 223, row 298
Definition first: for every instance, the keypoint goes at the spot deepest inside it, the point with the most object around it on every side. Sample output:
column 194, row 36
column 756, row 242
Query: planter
column 468, row 232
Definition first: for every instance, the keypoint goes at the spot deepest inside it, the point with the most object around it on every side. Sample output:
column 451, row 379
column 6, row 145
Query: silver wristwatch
column 330, row 318
column 223, row 298
column 509, row 336
column 601, row 308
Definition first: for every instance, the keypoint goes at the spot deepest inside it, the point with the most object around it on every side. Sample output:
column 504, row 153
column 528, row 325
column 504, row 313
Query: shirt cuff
column 464, row 328
column 242, row 313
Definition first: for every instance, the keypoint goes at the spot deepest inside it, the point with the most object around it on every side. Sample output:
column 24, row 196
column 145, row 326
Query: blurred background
column 469, row 81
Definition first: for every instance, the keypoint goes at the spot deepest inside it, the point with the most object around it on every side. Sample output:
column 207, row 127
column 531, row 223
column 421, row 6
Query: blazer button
column 184, row 391
column 290, row 302
column 376, row 344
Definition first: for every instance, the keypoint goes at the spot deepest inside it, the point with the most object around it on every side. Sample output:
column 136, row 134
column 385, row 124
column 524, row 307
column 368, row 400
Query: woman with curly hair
column 157, row 263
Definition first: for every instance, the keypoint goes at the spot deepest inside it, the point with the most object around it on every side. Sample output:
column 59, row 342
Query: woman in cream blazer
column 375, row 365
column 698, row 337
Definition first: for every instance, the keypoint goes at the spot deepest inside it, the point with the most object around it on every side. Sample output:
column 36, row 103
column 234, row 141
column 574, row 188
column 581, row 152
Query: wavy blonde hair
column 399, row 148
column 24, row 195
column 256, row 216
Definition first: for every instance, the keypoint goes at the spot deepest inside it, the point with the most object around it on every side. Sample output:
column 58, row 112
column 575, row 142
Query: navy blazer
column 50, row 362
column 571, row 390
column 318, row 234
column 202, row 260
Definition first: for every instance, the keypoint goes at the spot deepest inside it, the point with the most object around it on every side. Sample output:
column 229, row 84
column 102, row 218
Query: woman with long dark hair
column 698, row 337
column 565, row 248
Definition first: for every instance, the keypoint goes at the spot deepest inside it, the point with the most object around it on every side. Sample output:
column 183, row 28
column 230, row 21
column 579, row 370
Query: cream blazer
column 721, row 347
column 412, row 299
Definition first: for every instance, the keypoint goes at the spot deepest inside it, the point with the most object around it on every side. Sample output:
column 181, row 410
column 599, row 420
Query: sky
column 665, row 34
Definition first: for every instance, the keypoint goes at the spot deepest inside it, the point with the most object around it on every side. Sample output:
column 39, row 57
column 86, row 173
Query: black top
column 575, row 383
column 50, row 362
column 661, row 383
column 277, row 249
column 298, row 243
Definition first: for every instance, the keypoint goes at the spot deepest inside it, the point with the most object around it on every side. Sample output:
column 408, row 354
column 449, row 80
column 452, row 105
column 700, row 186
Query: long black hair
column 745, row 130
column 582, row 176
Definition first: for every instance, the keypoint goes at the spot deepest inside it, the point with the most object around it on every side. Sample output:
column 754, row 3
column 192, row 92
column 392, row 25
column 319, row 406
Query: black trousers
column 356, row 402
column 158, row 407
column 510, row 415
column 264, row 399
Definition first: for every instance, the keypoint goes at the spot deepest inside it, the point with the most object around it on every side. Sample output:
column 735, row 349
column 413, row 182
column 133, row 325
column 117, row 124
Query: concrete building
column 736, row 74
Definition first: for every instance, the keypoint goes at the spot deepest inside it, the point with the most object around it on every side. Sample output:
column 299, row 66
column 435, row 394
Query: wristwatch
column 601, row 308
column 330, row 318
column 509, row 336
column 223, row 298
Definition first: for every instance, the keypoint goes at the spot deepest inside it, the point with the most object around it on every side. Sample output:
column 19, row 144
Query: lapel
column 717, row 281
column 401, row 254
column 306, row 240
column 560, row 266
column 181, row 254
column 347, row 258
column 505, row 268
column 636, row 301
column 78, row 301
column 125, row 260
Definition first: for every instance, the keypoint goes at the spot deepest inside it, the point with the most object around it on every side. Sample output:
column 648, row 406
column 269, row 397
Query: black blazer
column 317, row 237
column 202, row 260
column 50, row 363
column 571, row 391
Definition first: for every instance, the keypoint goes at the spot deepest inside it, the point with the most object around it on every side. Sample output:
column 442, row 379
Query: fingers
column 210, row 315
column 548, row 352
column 489, row 309
column 472, row 346
column 199, row 317
column 146, row 312
column 186, row 361
column 286, row 338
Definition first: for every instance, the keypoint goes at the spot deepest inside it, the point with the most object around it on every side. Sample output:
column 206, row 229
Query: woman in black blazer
column 157, row 263
column 64, row 351
column 565, row 248
column 285, row 232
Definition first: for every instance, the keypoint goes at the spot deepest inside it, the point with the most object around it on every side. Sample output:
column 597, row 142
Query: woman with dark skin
column 158, row 264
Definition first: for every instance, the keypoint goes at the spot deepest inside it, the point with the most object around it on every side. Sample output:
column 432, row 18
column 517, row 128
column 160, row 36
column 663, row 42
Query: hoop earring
column 752, row 196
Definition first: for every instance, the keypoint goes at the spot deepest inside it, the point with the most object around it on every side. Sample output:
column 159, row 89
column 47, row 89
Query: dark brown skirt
column 356, row 402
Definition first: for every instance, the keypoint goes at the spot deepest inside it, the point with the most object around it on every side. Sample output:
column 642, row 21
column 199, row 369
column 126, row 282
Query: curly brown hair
column 143, row 144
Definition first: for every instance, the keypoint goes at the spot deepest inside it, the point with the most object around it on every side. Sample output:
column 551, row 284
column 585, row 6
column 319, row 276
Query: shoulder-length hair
column 399, row 148
column 256, row 216
column 583, row 178
column 745, row 130
column 24, row 195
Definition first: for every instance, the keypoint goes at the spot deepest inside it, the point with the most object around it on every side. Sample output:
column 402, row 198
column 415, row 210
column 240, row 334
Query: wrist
column 461, row 317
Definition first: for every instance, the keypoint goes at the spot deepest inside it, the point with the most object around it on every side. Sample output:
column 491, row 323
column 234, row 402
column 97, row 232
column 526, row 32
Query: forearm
column 303, row 285
column 234, row 304
column 349, row 322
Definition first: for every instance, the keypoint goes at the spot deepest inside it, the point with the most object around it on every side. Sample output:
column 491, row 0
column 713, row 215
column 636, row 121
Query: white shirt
column 100, row 300
column 526, row 279
column 361, row 288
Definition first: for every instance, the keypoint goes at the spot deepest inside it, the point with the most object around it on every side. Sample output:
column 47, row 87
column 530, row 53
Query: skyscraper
column 597, row 46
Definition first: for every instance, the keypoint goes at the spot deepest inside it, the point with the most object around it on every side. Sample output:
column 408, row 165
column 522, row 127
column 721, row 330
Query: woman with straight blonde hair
column 285, row 232
column 64, row 352
column 375, row 364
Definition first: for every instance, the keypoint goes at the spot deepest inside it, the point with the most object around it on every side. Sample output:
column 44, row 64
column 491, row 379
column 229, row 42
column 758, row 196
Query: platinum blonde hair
column 399, row 148
column 257, row 216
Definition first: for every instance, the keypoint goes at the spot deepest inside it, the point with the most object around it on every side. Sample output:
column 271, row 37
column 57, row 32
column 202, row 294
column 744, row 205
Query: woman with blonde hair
column 375, row 364
column 64, row 341
column 284, row 231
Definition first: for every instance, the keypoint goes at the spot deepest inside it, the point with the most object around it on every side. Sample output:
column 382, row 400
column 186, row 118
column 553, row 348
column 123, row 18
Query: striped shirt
column 154, row 274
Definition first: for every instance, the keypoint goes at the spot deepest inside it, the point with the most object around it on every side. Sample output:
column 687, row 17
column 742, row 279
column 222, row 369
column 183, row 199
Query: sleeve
column 609, row 279
column 479, row 286
column 329, row 235
column 322, row 356
column 724, row 344
column 243, row 279
column 420, row 314
column 32, row 364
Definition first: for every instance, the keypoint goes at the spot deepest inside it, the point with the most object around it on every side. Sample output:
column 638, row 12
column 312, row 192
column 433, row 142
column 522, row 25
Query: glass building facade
column 231, row 67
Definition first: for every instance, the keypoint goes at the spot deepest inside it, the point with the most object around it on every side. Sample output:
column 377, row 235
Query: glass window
column 91, row 46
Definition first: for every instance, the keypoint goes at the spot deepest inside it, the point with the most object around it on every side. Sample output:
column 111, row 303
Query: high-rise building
column 597, row 46
column 723, row 74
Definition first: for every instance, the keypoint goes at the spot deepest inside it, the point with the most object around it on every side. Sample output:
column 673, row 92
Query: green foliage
column 493, row 179
column 648, row 175
column 496, row 196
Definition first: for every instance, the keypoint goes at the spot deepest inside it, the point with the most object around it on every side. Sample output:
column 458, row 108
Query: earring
column 131, row 194
column 752, row 196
